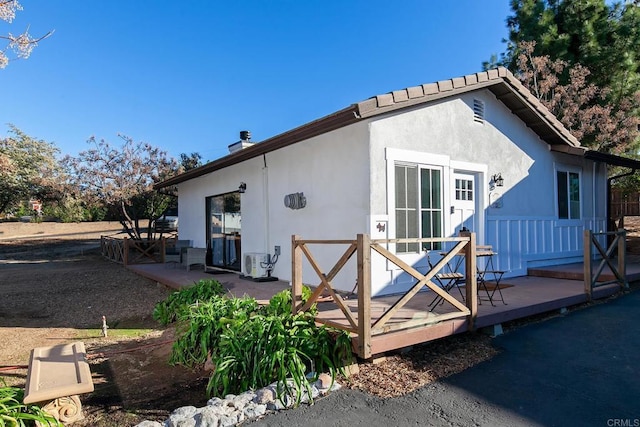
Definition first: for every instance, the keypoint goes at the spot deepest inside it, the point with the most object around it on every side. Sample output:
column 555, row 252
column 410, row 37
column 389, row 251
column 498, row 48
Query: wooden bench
column 55, row 378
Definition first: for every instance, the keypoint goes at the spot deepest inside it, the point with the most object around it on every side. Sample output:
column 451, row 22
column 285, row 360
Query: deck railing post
column 296, row 274
column 125, row 255
column 622, row 252
column 471, row 278
column 588, row 285
column 364, row 295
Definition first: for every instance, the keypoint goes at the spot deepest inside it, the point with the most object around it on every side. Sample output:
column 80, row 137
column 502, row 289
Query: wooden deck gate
column 129, row 251
column 617, row 248
column 362, row 324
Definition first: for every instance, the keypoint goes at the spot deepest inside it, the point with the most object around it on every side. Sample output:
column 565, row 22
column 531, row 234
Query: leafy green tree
column 122, row 178
column 190, row 161
column 603, row 37
column 581, row 58
column 187, row 162
column 28, row 169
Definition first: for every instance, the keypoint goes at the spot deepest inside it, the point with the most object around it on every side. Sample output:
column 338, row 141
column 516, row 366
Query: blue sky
column 188, row 76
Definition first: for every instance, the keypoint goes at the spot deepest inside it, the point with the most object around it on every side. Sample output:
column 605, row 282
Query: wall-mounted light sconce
column 498, row 180
column 242, row 188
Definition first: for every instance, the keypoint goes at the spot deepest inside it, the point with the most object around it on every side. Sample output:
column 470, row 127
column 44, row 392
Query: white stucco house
column 477, row 151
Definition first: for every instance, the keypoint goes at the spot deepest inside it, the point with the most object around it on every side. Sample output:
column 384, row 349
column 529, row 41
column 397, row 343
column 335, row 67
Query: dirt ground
column 55, row 287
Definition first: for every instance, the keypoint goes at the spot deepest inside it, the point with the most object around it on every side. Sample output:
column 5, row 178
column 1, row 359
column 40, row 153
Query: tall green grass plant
column 13, row 413
column 177, row 304
column 252, row 346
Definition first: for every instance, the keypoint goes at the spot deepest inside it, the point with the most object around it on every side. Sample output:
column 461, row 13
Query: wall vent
column 478, row 111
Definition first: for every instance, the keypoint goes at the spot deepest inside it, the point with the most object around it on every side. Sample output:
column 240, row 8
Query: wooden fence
column 363, row 324
column 624, row 204
column 616, row 249
column 132, row 251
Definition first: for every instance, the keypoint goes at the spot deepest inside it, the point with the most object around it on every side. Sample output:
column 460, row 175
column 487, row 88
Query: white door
column 464, row 199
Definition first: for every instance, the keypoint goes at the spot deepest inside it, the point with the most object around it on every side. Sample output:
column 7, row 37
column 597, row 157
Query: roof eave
column 612, row 159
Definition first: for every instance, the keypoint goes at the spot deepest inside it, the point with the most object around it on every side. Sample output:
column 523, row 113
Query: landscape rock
column 324, row 381
column 265, row 395
column 214, row 401
column 255, row 410
column 182, row 417
column 240, row 401
column 150, row 424
column 207, row 417
column 235, row 409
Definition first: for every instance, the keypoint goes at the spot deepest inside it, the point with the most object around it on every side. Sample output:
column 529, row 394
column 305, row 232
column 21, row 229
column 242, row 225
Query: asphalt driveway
column 579, row 369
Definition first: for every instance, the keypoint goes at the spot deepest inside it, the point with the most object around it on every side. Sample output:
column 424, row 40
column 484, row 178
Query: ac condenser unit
column 255, row 265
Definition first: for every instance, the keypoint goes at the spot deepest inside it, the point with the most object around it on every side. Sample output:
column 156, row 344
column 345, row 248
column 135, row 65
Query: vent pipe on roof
column 245, row 141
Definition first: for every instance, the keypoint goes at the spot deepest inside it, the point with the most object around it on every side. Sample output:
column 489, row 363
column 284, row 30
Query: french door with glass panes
column 418, row 206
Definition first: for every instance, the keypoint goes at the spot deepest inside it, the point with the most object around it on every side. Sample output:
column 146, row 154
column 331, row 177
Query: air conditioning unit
column 255, row 265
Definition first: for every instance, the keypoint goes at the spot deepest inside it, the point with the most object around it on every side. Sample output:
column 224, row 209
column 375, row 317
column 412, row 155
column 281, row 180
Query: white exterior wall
column 333, row 173
column 347, row 178
column 525, row 230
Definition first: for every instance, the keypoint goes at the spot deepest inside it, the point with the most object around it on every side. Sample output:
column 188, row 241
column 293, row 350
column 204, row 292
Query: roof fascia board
column 575, row 151
column 612, row 159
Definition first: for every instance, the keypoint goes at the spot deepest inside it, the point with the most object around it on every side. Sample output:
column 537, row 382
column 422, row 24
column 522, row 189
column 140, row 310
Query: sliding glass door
column 223, row 231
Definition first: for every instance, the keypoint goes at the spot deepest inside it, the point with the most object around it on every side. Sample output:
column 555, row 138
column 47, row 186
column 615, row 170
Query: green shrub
column 14, row 413
column 177, row 304
column 252, row 346
column 199, row 333
column 280, row 303
column 275, row 348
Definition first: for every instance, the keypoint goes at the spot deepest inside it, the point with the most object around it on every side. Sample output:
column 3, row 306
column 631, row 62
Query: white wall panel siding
column 523, row 242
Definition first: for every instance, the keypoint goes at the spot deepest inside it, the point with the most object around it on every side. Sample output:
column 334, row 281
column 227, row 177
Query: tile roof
column 500, row 81
column 505, row 86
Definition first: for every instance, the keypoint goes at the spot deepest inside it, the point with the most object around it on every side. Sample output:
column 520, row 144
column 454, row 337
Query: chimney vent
column 245, row 137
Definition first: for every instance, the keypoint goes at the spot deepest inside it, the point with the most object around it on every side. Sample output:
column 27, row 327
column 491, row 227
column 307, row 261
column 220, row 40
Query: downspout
column 594, row 182
column 265, row 193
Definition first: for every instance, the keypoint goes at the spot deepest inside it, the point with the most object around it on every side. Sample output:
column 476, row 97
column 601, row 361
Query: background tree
column 122, row 178
column 190, row 161
column 187, row 162
column 29, row 169
column 604, row 37
column 20, row 45
column 582, row 59
column 582, row 107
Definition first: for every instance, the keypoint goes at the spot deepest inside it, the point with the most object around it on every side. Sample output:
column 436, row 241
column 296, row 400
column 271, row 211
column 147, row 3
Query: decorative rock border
column 235, row 409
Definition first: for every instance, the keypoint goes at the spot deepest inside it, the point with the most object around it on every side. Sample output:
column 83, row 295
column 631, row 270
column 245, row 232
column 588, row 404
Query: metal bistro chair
column 447, row 281
column 488, row 270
